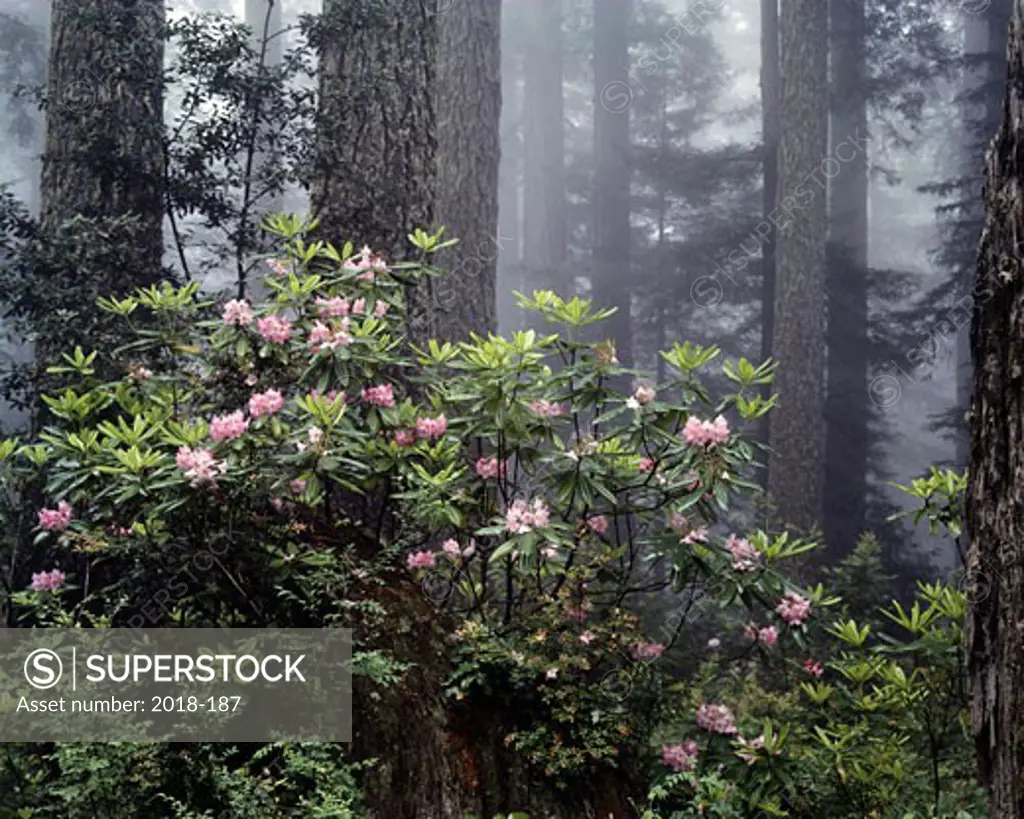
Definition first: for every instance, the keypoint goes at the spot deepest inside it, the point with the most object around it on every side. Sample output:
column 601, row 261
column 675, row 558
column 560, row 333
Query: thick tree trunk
column 611, row 194
column 544, row 149
column 469, row 152
column 847, row 442
column 103, row 155
column 797, row 431
column 770, row 130
column 995, row 508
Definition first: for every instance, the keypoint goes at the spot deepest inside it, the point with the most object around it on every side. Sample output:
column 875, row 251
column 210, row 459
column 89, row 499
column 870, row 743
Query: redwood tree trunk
column 847, row 410
column 995, row 509
column 611, row 202
column 797, row 429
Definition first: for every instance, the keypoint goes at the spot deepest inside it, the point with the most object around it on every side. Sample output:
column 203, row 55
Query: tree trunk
column 103, row 151
column 847, row 442
column 995, row 507
column 797, row 431
column 770, row 128
column 375, row 175
column 611, row 194
column 265, row 21
column 469, row 143
column 544, row 149
column 510, row 233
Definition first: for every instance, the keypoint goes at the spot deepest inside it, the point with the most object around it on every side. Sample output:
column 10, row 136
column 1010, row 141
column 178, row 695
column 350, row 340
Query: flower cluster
column 200, row 465
column 522, row 517
column 323, row 337
column 598, row 524
column 275, row 329
column 331, row 308
column 642, row 396
column 745, row 557
column 47, row 581
column 430, row 428
column 717, row 719
column 546, row 409
column 367, row 264
column 680, row 757
column 381, row 396
column 793, row 608
column 705, row 433
column 490, row 468
column 814, row 668
column 238, row 312
column 421, row 560
column 226, row 427
column 56, row 520
column 454, row 551
column 265, row 403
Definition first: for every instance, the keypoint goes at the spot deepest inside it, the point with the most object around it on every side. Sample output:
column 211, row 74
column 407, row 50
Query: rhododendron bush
column 283, row 463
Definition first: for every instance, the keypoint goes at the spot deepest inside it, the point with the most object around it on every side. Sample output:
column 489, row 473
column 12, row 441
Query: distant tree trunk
column 103, row 152
column 469, row 143
column 544, row 149
column 611, row 191
column 847, row 411
column 265, row 21
column 510, row 177
column 797, row 431
column 995, row 503
column 770, row 128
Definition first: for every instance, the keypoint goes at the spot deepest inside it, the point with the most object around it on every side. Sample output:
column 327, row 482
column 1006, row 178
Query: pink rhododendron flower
column 697, row 536
column 793, row 608
column 421, row 560
column 489, row 468
column 47, row 581
column 717, row 719
column 405, row 437
column 813, row 668
column 705, row 433
column 367, row 264
column 768, row 635
column 745, row 557
column 381, row 308
column 451, row 548
column 325, row 337
column 382, row 396
column 546, row 409
column 298, row 486
column 646, row 465
column 646, row 651
column 430, row 428
column 644, row 395
column 521, row 517
column 56, row 520
column 275, row 329
column 680, row 757
column 238, row 312
column 226, row 427
column 265, row 403
column 139, row 373
column 200, row 465
column 587, row 637
column 598, row 524
column 359, row 307
column 331, row 308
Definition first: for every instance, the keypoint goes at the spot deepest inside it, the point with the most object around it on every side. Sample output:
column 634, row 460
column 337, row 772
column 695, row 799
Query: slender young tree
column 995, row 502
column 847, row 411
column 797, row 430
column 611, row 189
